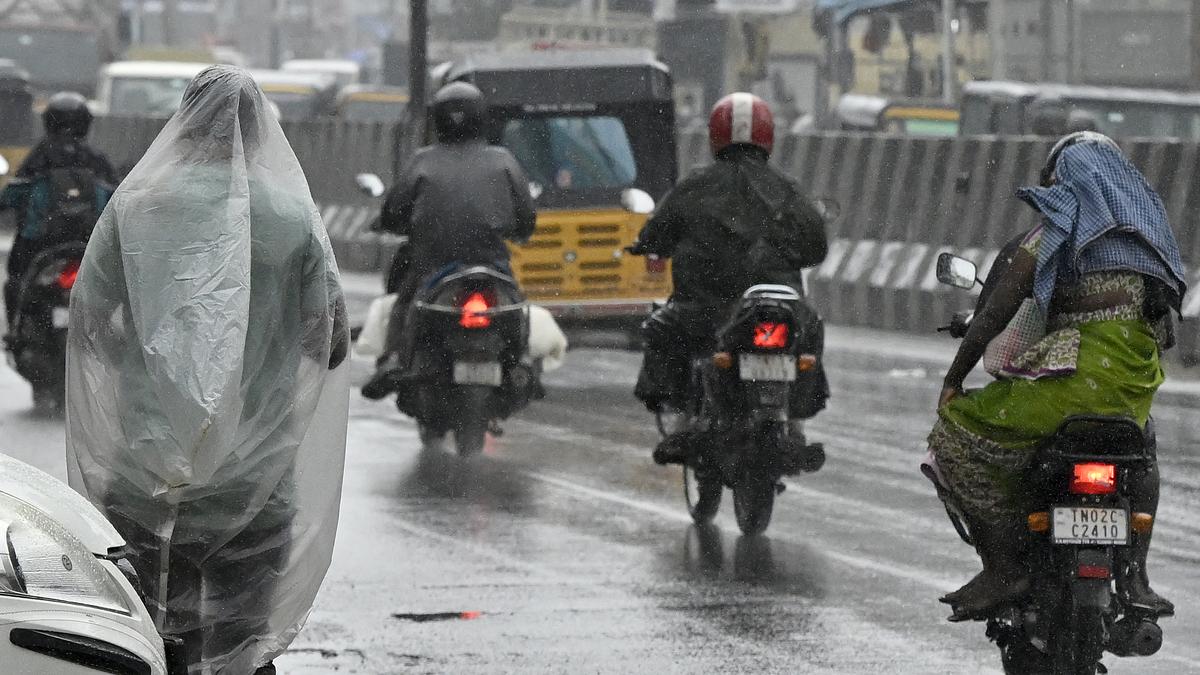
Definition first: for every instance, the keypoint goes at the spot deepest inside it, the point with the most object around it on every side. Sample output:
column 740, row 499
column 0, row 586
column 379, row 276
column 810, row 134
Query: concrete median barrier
column 904, row 201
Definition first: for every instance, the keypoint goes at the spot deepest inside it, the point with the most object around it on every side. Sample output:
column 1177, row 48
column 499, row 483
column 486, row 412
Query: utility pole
column 949, row 63
column 418, row 68
column 1047, row 33
column 1195, row 43
column 169, row 15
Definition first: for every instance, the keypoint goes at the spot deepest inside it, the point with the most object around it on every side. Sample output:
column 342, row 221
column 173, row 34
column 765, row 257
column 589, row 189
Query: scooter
column 67, row 599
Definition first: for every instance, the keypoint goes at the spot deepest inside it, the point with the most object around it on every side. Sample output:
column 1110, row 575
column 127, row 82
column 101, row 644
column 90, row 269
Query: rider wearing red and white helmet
column 727, row 226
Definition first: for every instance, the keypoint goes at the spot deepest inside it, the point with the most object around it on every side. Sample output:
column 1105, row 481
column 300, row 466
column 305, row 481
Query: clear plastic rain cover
column 206, row 412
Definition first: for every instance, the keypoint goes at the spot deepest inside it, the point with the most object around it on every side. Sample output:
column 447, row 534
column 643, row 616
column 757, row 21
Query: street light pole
column 949, row 68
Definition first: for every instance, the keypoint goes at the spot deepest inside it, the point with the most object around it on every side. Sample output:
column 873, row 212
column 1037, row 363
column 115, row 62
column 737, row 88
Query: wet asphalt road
column 564, row 549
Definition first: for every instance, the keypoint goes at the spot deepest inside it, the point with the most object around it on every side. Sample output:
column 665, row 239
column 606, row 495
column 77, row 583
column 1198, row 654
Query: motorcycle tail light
column 473, row 312
column 656, row 264
column 1094, row 478
column 770, row 335
column 1093, row 571
column 66, row 278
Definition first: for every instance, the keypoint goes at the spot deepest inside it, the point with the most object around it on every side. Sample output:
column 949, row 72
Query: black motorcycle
column 1085, row 478
column 467, row 372
column 37, row 340
column 740, row 404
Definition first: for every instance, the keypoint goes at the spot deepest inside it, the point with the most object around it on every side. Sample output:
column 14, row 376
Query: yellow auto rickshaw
column 595, row 133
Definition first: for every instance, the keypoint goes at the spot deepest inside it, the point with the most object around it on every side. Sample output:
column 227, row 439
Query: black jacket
column 733, row 224
column 458, row 202
column 57, row 152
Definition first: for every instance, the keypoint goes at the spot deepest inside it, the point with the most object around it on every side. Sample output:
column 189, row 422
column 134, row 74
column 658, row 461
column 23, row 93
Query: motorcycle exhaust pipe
column 1135, row 636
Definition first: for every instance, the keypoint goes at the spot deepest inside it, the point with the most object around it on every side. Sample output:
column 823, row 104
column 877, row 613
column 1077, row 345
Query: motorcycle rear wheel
column 753, row 502
column 1080, row 640
column 703, row 495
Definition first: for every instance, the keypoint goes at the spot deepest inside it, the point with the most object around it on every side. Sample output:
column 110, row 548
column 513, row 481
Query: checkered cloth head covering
column 1101, row 215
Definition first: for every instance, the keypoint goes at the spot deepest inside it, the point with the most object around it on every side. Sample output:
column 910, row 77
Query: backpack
column 73, row 203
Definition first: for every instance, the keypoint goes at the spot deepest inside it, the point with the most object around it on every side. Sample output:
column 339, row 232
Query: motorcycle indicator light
column 1039, row 522
column 1094, row 478
column 66, row 278
column 473, row 312
column 806, row 362
column 1142, row 523
column 770, row 335
column 723, row 360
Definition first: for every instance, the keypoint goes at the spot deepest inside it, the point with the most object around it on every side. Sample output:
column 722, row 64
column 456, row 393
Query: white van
column 143, row 88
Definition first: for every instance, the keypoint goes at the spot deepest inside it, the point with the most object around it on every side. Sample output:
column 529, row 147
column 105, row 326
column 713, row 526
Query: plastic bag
column 1022, row 332
column 373, row 338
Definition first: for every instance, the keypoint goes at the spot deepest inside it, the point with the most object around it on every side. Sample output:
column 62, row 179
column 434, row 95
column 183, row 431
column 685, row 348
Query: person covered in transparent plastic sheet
column 457, row 201
column 1105, row 271
column 728, row 226
column 206, row 413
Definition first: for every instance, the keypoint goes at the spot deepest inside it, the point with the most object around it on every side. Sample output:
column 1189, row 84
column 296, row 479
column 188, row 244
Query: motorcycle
column 67, row 598
column 468, row 332
column 1086, row 478
column 37, row 340
column 739, row 407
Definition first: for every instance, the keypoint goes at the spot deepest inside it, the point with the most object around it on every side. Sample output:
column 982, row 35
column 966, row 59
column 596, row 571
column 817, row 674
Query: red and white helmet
column 741, row 119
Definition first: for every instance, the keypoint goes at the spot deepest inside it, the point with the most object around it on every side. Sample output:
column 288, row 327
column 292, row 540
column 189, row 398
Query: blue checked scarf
column 1101, row 215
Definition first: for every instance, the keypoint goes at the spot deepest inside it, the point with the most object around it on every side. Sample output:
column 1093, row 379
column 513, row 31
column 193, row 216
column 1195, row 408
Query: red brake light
column 769, row 335
column 1093, row 571
column 66, row 278
column 1094, row 478
column 472, row 312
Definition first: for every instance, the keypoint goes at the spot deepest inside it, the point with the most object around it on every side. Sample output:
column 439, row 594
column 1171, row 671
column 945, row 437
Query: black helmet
column 459, row 112
column 67, row 114
column 1047, row 177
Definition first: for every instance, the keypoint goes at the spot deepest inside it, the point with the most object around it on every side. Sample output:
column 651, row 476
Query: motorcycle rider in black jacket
column 67, row 121
column 457, row 201
column 728, row 226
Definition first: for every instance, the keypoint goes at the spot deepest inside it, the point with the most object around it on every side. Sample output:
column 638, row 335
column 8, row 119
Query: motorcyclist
column 457, row 201
column 61, row 162
column 728, row 226
column 1105, row 296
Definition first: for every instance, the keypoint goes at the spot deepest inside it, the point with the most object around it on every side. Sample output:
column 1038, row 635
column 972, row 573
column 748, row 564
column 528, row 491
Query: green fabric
column 1117, row 373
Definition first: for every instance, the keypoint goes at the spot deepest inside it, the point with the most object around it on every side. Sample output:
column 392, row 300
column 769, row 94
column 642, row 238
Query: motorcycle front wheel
column 753, row 502
column 703, row 495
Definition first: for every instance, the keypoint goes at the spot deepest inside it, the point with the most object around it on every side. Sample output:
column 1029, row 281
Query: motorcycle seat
column 1102, row 436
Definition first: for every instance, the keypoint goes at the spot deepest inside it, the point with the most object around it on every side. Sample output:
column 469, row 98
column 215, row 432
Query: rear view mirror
column 637, row 201
column 955, row 271
column 370, row 184
column 828, row 207
column 3, row 166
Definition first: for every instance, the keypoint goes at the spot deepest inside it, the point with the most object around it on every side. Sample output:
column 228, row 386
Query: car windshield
column 146, row 96
column 572, row 153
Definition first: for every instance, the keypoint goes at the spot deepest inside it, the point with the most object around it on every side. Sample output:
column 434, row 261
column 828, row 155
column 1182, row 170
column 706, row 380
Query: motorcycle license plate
column 489, row 374
column 1090, row 525
column 60, row 317
column 767, row 367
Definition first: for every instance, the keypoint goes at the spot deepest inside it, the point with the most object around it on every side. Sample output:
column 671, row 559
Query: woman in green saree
column 1104, row 271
